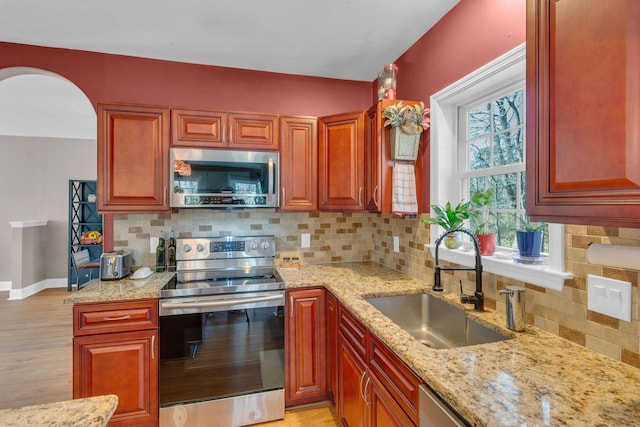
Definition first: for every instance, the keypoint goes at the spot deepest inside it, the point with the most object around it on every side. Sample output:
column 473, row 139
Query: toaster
column 115, row 265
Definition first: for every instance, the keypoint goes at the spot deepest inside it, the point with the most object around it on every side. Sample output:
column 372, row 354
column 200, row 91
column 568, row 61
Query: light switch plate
column 609, row 296
column 396, row 244
column 305, row 240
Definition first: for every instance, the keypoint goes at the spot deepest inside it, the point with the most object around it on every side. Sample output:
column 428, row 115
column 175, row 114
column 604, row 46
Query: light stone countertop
column 121, row 290
column 535, row 379
column 87, row 412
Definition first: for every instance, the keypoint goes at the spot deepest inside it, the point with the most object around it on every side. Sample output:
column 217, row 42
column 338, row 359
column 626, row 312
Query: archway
column 47, row 136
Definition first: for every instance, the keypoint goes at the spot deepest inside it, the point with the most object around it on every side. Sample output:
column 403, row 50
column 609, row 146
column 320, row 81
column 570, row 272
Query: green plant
column 480, row 201
column 449, row 217
column 412, row 119
column 525, row 224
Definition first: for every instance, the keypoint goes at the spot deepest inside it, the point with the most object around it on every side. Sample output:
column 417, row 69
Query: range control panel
column 204, row 248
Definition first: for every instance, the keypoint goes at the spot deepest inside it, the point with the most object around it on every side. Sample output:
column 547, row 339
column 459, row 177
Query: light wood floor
column 36, row 356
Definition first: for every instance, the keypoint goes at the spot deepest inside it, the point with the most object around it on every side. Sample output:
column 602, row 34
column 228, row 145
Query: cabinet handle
column 164, row 196
column 360, row 386
column 364, row 394
column 284, row 197
column 230, row 134
column 375, row 192
column 153, row 346
column 223, row 135
column 360, row 196
column 291, row 307
column 110, row 319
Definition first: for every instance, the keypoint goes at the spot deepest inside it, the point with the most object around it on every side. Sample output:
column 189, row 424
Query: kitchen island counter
column 88, row 412
column 536, row 378
column 121, row 290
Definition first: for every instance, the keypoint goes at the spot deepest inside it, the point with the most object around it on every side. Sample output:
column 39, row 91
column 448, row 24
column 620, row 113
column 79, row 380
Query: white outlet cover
column 305, row 240
column 396, row 244
column 609, row 296
column 153, row 244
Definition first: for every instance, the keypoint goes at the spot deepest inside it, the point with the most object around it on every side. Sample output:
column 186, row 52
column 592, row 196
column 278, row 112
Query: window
column 478, row 141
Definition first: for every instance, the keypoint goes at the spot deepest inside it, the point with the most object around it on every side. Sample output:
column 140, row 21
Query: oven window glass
column 221, row 354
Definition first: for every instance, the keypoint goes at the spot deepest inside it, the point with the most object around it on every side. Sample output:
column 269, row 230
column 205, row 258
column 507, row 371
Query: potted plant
column 407, row 123
column 529, row 236
column 450, row 218
column 480, row 201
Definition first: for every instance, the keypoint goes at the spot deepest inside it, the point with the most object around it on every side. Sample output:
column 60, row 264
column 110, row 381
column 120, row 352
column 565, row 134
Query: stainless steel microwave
column 208, row 178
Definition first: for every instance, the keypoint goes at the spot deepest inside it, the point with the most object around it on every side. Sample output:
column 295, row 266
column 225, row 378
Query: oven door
column 222, row 358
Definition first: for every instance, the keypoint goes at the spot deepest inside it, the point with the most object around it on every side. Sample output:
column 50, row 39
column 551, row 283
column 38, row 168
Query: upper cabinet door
column 253, row 131
column 199, row 128
column 341, row 162
column 583, row 109
column 133, row 158
column 299, row 163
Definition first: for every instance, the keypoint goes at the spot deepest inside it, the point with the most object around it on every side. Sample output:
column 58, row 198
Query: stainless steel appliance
column 224, row 178
column 433, row 412
column 222, row 334
column 115, row 265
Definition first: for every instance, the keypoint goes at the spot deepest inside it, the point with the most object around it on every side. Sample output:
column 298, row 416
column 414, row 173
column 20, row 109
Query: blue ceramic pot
column 529, row 243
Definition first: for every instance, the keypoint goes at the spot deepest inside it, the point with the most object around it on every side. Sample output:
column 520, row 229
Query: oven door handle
column 221, row 303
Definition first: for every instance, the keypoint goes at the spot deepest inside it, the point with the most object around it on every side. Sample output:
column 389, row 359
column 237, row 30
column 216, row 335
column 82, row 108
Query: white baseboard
column 17, row 294
column 5, row 286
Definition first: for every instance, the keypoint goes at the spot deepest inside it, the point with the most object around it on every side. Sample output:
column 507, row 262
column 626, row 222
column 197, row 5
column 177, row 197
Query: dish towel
column 403, row 190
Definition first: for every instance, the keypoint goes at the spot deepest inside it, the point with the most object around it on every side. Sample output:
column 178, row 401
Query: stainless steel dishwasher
column 434, row 412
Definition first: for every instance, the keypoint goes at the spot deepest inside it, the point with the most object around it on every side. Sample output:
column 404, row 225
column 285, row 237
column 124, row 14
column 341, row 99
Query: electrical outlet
column 153, row 244
column 396, row 244
column 305, row 240
column 609, row 296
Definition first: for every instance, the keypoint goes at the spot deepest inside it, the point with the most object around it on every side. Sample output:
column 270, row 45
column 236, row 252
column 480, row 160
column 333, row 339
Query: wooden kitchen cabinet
column 583, row 104
column 374, row 387
column 219, row 129
column 299, row 163
column 332, row 344
column 305, row 347
column 115, row 351
column 341, row 162
column 133, row 158
column 378, row 162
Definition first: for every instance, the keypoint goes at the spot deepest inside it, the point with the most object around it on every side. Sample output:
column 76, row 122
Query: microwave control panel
column 191, row 200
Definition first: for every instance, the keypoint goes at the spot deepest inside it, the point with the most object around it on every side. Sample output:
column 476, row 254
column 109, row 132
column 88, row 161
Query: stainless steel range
column 222, row 334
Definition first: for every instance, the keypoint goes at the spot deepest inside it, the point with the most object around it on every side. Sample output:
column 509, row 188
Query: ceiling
column 343, row 39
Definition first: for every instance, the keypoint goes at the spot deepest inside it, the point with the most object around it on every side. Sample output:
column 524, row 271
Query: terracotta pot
column 487, row 243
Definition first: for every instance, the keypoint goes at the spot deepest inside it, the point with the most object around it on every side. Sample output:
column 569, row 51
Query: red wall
column 472, row 34
column 105, row 77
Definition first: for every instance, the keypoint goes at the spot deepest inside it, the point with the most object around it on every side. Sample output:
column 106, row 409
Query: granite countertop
column 534, row 379
column 121, row 290
column 88, row 412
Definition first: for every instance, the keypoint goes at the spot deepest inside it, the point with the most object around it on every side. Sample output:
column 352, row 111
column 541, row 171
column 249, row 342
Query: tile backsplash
column 346, row 237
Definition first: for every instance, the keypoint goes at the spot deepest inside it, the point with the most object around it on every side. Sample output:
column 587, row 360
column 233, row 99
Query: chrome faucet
column 477, row 299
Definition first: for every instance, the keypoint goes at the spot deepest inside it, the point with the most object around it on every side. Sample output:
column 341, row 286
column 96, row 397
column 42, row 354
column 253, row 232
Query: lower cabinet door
column 352, row 372
column 384, row 411
column 124, row 364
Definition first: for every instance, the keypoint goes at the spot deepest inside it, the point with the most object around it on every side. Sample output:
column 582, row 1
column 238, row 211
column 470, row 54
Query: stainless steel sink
column 434, row 322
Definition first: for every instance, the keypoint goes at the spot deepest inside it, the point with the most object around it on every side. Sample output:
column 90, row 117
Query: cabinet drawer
column 354, row 332
column 396, row 377
column 114, row 317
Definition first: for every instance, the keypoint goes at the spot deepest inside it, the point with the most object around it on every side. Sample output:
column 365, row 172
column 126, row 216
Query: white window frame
column 504, row 71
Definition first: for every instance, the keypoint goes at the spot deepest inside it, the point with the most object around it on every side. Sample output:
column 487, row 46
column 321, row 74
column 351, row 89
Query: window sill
column 539, row 275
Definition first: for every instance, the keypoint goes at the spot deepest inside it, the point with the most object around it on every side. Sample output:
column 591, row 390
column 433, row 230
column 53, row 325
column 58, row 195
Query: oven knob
column 265, row 245
column 187, row 248
column 253, row 246
column 200, row 247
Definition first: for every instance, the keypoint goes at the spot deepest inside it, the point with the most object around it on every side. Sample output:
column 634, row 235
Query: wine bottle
column 171, row 253
column 160, row 255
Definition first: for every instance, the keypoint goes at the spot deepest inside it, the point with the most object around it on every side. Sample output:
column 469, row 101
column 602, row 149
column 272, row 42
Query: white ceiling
column 344, row 39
